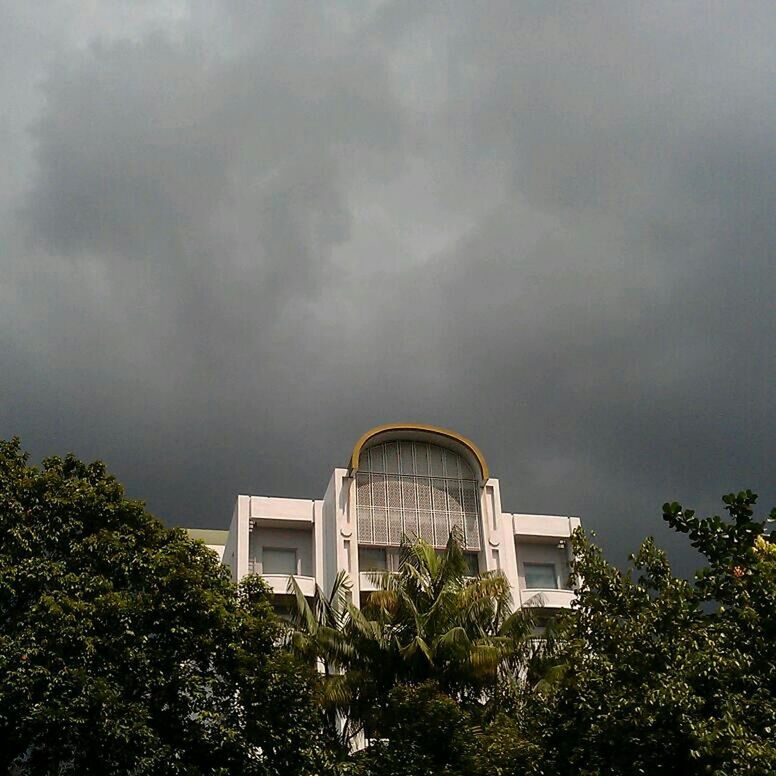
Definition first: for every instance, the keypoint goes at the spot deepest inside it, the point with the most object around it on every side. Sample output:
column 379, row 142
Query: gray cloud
column 235, row 240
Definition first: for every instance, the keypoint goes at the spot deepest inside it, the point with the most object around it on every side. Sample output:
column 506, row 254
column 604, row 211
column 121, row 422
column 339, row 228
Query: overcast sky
column 236, row 235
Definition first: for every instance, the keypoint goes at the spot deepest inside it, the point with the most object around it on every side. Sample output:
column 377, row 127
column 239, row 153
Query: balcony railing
column 549, row 599
column 279, row 583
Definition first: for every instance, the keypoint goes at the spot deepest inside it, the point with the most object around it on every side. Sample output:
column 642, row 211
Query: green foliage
column 125, row 648
column 425, row 731
column 655, row 674
column 428, row 625
column 434, row 622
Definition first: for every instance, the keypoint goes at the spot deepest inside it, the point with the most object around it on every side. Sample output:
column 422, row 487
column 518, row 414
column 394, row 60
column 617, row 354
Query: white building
column 401, row 479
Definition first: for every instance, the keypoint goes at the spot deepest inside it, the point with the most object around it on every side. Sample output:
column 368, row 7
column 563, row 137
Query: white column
column 243, row 535
column 318, row 540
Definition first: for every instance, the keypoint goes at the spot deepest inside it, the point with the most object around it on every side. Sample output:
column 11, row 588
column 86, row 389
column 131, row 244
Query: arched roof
column 421, row 431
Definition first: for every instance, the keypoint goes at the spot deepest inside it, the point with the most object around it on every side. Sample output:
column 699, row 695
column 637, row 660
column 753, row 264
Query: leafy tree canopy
column 429, row 622
column 657, row 674
column 426, row 731
column 125, row 648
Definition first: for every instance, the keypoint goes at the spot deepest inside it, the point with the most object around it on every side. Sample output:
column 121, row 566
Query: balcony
column 548, row 599
column 282, row 512
column 279, row 583
column 543, row 527
column 366, row 584
column 277, row 554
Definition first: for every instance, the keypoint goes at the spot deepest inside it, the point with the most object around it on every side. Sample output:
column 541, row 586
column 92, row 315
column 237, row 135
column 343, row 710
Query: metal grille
column 409, row 494
column 426, row 524
column 394, row 492
column 454, row 500
column 378, row 491
column 472, row 531
column 395, row 528
column 416, row 489
column 456, row 523
column 411, row 528
column 380, row 521
column 362, row 490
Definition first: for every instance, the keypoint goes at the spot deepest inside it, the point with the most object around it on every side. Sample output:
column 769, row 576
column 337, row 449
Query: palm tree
column 317, row 629
column 437, row 622
column 317, row 634
column 428, row 621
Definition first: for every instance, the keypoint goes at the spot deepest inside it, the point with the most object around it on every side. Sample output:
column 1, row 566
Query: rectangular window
column 372, row 559
column 472, row 563
column 278, row 561
column 540, row 576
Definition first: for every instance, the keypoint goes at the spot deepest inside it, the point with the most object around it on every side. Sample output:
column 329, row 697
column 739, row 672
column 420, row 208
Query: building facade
column 402, row 479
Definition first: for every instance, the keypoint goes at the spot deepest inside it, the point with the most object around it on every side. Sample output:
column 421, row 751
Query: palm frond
column 486, row 656
column 340, row 592
column 303, row 616
column 456, row 640
column 416, row 646
column 339, row 690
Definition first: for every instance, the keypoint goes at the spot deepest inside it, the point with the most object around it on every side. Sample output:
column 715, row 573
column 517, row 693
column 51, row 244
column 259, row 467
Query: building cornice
column 391, row 431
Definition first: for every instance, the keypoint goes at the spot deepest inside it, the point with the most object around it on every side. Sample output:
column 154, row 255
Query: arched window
column 418, row 489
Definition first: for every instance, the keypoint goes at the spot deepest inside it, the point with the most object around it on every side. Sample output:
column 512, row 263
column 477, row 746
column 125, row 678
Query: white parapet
column 279, row 583
column 367, row 584
column 281, row 510
column 544, row 526
column 548, row 599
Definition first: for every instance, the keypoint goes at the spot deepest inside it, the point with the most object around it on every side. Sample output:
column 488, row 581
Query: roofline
column 208, row 535
column 422, row 427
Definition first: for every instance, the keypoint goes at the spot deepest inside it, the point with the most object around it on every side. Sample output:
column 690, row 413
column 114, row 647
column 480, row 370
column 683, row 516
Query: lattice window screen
column 454, row 500
column 362, row 490
column 395, row 528
column 391, row 453
column 472, row 531
column 416, row 489
column 456, row 522
column 426, row 525
column 411, row 528
column 380, row 520
column 409, row 494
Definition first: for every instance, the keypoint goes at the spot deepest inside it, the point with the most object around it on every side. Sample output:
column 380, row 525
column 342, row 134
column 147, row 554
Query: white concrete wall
column 548, row 599
column 241, row 536
column 498, row 549
column 544, row 526
column 291, row 510
column 329, row 535
column 318, row 542
column 346, row 536
column 229, row 556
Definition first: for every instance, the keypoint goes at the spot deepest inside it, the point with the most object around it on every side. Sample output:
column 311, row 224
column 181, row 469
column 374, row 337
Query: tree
column 124, row 646
column 429, row 622
column 316, row 637
column 426, row 731
column 656, row 674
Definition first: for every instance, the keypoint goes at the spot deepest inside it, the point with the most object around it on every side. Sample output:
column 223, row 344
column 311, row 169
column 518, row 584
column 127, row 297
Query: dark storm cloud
column 235, row 240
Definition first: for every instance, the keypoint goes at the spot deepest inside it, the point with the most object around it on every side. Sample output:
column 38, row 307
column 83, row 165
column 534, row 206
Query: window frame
column 291, row 550
column 472, row 563
column 374, row 548
column 545, row 565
